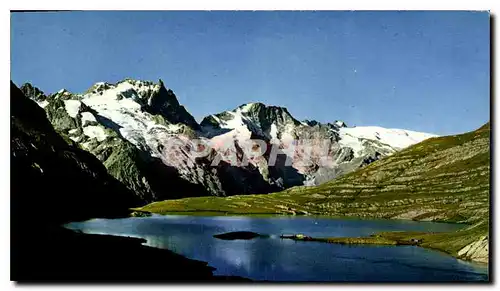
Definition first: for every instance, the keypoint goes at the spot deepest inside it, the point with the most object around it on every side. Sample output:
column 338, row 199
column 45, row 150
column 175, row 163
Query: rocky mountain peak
column 257, row 117
column 164, row 102
column 268, row 113
column 311, row 122
column 340, row 123
column 99, row 87
column 33, row 92
column 336, row 124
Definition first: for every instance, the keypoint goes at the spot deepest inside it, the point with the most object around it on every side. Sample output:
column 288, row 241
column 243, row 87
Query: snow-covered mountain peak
column 340, row 123
column 277, row 126
column 249, row 106
column 142, row 91
column 257, row 117
column 145, row 89
column 99, row 87
column 144, row 96
column 63, row 94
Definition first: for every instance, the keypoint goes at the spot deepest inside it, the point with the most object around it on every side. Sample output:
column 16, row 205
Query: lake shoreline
column 389, row 238
column 222, row 213
column 381, row 239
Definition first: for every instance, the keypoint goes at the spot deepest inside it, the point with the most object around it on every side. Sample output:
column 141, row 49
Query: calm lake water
column 278, row 259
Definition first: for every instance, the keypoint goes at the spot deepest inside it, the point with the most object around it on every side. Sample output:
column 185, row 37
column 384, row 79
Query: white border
column 254, row 5
column 490, row 5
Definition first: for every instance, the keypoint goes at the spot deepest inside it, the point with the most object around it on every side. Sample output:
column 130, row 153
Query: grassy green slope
column 440, row 179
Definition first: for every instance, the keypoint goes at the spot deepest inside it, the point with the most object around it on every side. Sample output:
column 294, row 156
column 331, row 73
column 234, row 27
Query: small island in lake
column 240, row 235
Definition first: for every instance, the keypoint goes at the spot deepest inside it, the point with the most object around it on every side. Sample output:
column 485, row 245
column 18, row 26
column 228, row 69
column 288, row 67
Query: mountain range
column 147, row 140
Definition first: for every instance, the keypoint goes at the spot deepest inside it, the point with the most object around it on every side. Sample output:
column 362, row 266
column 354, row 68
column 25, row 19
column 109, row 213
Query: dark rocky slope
column 53, row 179
column 53, row 182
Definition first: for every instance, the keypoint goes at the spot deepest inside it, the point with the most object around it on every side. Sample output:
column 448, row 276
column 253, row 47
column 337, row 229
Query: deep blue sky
column 425, row 71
